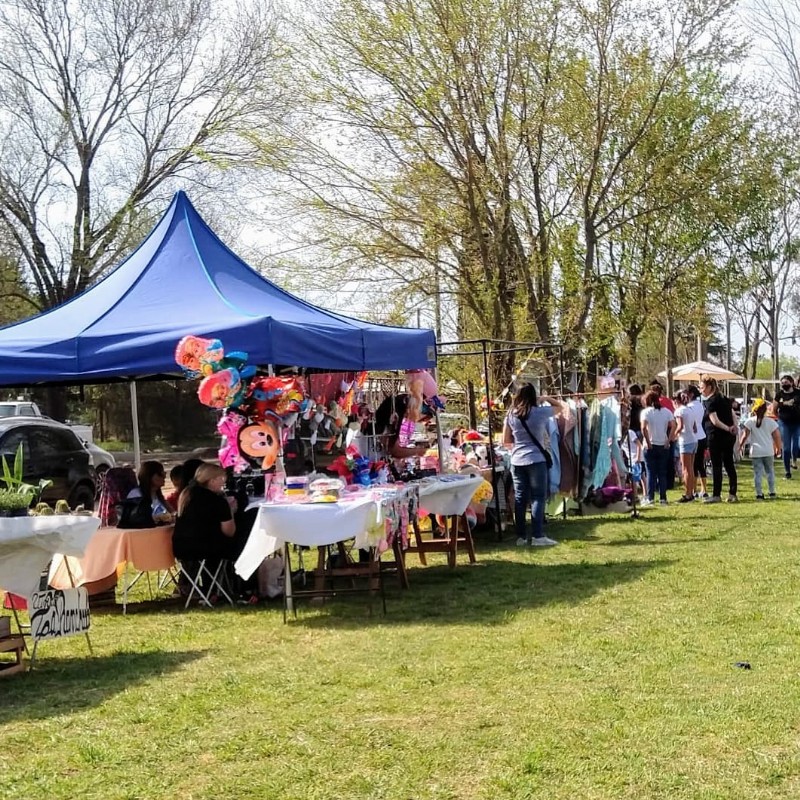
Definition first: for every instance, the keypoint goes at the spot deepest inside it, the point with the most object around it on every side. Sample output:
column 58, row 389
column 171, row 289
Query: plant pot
column 18, row 512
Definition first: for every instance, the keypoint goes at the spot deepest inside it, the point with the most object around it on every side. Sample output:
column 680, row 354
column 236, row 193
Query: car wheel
column 82, row 496
column 101, row 470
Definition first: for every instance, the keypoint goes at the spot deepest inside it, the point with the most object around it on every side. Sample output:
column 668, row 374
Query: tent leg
column 137, row 449
column 444, row 464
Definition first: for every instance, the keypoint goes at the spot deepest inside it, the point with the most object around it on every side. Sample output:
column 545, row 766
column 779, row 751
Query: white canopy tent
column 694, row 369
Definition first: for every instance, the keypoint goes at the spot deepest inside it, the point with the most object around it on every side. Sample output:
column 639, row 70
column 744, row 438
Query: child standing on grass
column 634, row 452
column 765, row 445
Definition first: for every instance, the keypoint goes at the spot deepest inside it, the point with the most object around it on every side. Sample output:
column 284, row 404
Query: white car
column 101, row 459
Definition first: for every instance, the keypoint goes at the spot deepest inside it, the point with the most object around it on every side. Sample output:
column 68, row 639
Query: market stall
column 184, row 280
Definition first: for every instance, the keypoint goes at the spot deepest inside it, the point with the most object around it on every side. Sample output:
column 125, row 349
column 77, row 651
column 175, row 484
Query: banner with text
column 59, row 612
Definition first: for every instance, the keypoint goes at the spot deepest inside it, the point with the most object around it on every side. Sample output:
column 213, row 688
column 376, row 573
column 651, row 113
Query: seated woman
column 145, row 505
column 204, row 528
column 389, row 419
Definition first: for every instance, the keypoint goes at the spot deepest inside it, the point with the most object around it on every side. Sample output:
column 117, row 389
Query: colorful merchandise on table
column 325, row 490
column 296, row 486
column 261, row 413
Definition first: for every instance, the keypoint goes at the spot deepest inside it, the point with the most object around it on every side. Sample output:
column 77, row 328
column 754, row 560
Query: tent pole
column 444, row 461
column 137, row 449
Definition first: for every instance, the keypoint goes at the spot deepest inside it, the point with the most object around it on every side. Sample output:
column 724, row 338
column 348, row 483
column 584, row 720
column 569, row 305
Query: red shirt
column 668, row 404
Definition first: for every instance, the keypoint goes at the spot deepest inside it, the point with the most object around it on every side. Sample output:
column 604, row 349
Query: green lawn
column 602, row 668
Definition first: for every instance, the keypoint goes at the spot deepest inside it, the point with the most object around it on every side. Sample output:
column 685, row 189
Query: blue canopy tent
column 182, row 279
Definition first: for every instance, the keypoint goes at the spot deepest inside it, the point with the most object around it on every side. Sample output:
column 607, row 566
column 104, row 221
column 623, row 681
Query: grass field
column 602, row 668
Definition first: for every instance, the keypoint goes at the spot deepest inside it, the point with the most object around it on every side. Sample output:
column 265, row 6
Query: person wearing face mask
column 721, row 433
column 788, row 400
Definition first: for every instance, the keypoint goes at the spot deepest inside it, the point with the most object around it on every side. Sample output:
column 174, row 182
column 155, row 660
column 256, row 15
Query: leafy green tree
column 481, row 151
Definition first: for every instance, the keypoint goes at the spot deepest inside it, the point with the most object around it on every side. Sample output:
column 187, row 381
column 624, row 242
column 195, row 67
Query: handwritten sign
column 59, row 612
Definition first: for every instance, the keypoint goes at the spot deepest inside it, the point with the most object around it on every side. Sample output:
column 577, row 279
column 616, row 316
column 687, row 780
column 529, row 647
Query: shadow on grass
column 571, row 529
column 687, row 540
column 489, row 592
column 65, row 685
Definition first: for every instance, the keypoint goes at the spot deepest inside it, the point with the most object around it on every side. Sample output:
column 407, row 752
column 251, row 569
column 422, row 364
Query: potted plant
column 13, row 503
column 18, row 496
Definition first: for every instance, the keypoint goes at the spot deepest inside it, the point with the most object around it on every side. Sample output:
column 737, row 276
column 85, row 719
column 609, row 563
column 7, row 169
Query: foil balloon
column 197, row 356
column 260, row 443
column 273, row 395
column 221, row 389
column 229, row 456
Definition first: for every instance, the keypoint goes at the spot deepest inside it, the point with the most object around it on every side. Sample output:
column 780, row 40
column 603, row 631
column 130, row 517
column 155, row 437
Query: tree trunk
column 471, row 411
column 56, row 402
column 669, row 353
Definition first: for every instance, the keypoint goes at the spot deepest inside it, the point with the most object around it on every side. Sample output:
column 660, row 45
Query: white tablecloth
column 448, row 495
column 28, row 543
column 307, row 524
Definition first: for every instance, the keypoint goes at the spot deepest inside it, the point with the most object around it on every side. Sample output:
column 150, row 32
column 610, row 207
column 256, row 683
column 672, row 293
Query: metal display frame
column 493, row 347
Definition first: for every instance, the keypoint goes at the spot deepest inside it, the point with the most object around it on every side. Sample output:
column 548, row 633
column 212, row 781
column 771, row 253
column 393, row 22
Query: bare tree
column 105, row 103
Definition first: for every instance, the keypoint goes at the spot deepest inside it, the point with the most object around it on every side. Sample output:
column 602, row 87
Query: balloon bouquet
column 256, row 409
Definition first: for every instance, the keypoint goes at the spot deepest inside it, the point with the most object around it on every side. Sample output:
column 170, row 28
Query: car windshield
column 6, row 410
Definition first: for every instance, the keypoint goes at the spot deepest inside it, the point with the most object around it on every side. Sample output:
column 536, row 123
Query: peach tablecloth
column 148, row 549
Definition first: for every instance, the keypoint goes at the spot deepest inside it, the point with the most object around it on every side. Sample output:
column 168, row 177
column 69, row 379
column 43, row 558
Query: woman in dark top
column 205, row 528
column 788, row 400
column 721, row 433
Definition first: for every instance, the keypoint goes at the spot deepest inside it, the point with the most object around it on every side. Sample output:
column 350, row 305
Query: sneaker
column 521, row 542
column 710, row 500
column 646, row 502
column 686, row 498
column 773, row 496
column 788, row 476
column 759, row 497
column 663, row 501
column 732, row 498
column 542, row 541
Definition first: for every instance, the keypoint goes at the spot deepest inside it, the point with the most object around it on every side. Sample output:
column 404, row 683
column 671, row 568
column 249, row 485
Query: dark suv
column 50, row 450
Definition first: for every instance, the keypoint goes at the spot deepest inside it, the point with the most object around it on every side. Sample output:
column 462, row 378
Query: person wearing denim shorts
column 686, row 435
column 528, row 463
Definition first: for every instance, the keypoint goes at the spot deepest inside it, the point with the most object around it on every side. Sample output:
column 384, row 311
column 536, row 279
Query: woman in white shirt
column 658, row 426
column 696, row 406
column 686, row 435
column 765, row 445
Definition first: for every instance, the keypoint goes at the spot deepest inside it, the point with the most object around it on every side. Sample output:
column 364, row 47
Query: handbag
column 548, row 459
